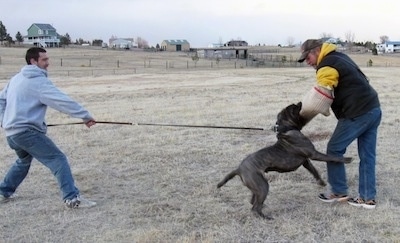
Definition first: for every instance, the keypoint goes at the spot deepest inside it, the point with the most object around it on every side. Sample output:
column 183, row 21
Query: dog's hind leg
column 310, row 167
column 259, row 187
column 253, row 198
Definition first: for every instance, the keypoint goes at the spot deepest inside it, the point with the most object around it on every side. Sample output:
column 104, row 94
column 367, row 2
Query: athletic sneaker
column 359, row 202
column 4, row 199
column 332, row 197
column 79, row 202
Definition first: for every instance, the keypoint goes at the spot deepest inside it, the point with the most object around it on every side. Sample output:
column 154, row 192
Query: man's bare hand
column 90, row 123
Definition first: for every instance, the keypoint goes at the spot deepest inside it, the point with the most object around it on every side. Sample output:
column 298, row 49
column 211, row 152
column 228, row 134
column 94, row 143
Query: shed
column 175, row 45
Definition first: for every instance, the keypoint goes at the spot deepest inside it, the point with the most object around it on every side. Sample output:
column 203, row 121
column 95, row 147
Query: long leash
column 199, row 126
column 160, row 124
column 97, row 122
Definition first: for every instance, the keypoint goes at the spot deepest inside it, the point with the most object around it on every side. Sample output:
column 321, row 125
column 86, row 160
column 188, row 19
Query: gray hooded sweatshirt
column 24, row 101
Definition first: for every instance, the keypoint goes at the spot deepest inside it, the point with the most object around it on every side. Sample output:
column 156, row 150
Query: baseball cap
column 307, row 46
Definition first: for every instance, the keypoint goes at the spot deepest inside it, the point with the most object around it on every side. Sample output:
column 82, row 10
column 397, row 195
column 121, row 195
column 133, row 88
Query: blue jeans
column 364, row 128
column 34, row 144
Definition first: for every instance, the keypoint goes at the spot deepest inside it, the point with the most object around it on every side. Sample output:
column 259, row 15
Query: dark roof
column 44, row 26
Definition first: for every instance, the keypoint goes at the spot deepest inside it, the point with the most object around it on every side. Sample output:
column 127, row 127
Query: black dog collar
column 283, row 129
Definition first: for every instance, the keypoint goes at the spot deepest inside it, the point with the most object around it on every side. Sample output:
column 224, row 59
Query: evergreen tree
column 65, row 40
column 3, row 32
column 9, row 40
column 97, row 42
column 19, row 37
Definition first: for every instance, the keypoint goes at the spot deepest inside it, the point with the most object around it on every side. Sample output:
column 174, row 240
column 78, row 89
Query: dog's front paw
column 347, row 160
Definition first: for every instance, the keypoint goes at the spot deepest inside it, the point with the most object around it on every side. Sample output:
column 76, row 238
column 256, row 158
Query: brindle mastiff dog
column 292, row 150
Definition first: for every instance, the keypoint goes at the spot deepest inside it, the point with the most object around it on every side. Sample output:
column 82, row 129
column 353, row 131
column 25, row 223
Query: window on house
column 40, row 32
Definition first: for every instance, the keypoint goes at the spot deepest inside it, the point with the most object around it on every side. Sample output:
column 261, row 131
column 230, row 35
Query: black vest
column 354, row 95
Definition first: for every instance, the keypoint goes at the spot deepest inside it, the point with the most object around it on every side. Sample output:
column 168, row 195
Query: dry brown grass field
column 158, row 183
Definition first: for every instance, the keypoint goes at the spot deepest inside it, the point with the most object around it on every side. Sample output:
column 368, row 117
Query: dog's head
column 289, row 119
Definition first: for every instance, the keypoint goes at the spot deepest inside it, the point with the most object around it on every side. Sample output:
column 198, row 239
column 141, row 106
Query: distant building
column 331, row 40
column 380, row 48
column 236, row 43
column 341, row 46
column 42, row 35
column 388, row 47
column 175, row 45
column 215, row 45
column 121, row 43
column 238, row 52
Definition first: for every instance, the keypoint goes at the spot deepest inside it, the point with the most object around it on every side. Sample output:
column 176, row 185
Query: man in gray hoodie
column 23, row 104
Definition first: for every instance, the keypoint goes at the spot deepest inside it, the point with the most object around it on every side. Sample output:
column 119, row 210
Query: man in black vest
column 357, row 108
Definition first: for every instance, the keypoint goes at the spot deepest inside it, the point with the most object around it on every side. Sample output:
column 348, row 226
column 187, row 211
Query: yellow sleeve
column 327, row 77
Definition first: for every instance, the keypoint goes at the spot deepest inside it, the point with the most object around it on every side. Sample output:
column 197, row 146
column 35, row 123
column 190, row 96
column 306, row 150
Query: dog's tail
column 228, row 177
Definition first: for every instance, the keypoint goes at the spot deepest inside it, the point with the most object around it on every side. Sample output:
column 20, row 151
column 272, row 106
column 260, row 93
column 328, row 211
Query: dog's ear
column 299, row 104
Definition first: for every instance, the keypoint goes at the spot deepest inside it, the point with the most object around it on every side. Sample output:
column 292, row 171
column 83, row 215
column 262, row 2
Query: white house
column 122, row 43
column 389, row 47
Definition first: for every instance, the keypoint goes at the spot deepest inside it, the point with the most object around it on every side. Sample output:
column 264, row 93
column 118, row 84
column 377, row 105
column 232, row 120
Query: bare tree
column 326, row 35
column 349, row 38
column 290, row 41
column 384, row 38
column 220, row 42
column 142, row 43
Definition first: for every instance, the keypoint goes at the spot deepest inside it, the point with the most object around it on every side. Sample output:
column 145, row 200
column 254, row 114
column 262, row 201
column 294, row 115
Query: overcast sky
column 202, row 22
